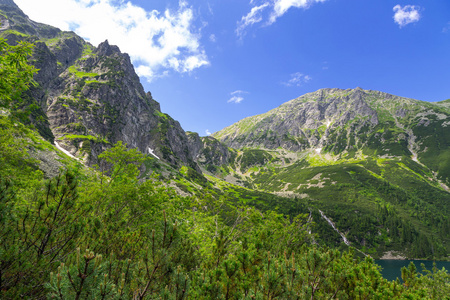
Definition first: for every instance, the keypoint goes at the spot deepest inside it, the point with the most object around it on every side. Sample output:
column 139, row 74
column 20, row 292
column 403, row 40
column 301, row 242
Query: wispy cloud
column 268, row 11
column 207, row 132
column 407, row 14
column 282, row 6
column 297, row 79
column 254, row 16
column 446, row 28
column 235, row 99
column 238, row 92
column 157, row 42
column 237, row 96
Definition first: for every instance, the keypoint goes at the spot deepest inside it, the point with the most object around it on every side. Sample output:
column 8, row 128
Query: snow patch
column 318, row 150
column 65, row 151
column 150, row 151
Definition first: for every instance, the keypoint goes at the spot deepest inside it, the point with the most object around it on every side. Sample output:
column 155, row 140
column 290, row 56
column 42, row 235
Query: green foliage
column 42, row 228
column 254, row 157
column 350, row 192
column 124, row 161
column 81, row 74
column 16, row 140
column 15, row 72
column 210, row 248
column 435, row 282
column 224, row 242
column 85, row 279
column 80, row 137
column 193, row 175
column 8, row 249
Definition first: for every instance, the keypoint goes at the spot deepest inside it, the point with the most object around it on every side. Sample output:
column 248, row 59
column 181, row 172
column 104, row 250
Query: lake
column 392, row 267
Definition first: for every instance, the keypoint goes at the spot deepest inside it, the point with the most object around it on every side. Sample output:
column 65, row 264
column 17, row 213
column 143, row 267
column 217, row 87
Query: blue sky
column 211, row 63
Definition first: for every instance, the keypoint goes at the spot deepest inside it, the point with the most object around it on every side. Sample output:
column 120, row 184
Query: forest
column 107, row 232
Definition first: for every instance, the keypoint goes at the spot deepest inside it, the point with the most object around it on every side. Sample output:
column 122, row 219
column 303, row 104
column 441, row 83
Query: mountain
column 90, row 97
column 344, row 123
column 376, row 166
column 370, row 169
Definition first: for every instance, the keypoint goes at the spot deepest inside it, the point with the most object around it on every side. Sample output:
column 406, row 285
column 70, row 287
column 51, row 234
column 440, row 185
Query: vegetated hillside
column 115, row 231
column 377, row 165
column 332, row 152
column 88, row 98
column 109, row 234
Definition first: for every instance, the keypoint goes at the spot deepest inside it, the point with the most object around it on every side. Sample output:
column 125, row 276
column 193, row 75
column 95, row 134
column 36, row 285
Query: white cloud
column 213, row 38
column 207, row 132
column 269, row 11
column 282, row 6
column 406, row 14
column 235, row 99
column 237, row 96
column 254, row 16
column 156, row 41
column 297, row 79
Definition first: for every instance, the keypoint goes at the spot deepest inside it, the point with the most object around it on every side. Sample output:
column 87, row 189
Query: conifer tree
column 15, row 72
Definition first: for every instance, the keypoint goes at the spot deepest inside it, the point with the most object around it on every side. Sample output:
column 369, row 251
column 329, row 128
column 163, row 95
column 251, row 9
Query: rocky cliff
column 208, row 152
column 302, row 123
column 90, row 97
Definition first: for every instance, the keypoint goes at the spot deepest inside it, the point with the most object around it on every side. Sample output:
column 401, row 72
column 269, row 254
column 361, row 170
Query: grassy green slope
column 380, row 204
column 384, row 184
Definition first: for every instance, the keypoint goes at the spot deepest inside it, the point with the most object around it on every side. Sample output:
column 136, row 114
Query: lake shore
column 392, row 255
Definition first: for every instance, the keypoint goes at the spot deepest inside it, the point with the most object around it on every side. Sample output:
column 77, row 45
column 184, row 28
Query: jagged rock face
column 214, row 152
column 99, row 100
column 208, row 151
column 92, row 96
column 305, row 122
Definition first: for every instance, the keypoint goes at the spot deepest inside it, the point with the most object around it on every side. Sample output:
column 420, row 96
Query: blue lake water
column 392, row 267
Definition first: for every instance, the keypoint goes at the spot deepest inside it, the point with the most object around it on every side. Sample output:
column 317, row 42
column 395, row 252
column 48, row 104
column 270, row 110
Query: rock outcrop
column 208, row 152
column 302, row 123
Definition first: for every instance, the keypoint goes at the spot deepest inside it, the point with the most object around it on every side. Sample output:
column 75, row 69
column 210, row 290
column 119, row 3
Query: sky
column 211, row 63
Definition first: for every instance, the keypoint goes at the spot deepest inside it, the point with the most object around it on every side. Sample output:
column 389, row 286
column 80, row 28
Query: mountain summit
column 343, row 122
column 89, row 98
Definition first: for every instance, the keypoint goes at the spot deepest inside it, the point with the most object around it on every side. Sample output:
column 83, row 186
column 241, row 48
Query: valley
column 360, row 156
column 89, row 161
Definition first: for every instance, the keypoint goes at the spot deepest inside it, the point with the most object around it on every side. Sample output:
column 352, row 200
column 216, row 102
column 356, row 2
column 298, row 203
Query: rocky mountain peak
column 321, row 119
column 8, row 3
column 91, row 97
column 106, row 49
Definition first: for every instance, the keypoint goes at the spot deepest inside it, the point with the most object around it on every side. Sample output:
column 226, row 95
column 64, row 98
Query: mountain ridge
column 355, row 156
column 91, row 97
column 344, row 121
